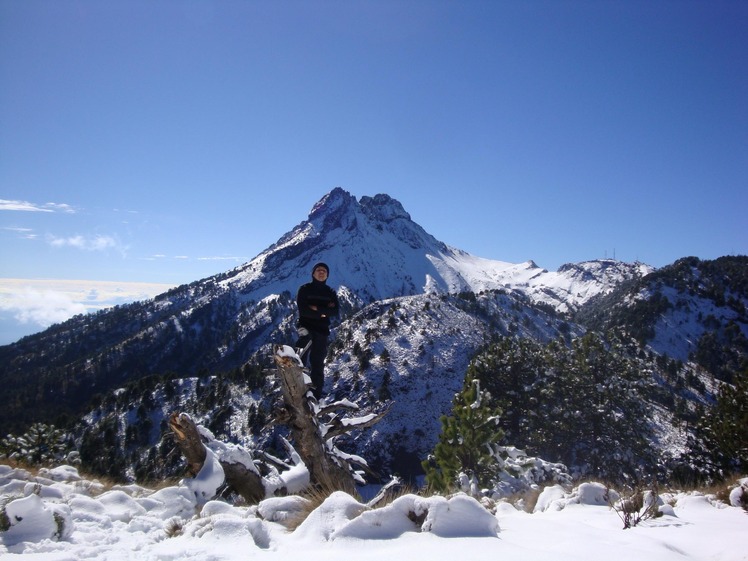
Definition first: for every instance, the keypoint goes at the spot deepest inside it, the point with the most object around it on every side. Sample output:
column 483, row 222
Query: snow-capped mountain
column 691, row 310
column 375, row 251
column 415, row 313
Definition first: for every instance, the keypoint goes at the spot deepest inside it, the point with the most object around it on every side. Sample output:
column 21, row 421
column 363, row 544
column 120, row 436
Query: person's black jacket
column 324, row 298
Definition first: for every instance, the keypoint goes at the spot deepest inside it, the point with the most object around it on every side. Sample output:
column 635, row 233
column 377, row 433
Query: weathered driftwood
column 239, row 478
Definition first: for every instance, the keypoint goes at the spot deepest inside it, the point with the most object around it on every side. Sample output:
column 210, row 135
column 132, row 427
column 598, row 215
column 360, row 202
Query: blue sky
column 162, row 142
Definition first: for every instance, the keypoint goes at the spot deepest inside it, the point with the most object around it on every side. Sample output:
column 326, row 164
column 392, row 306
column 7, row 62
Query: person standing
column 317, row 303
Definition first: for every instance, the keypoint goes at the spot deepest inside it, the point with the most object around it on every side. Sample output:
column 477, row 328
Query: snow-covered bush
column 40, row 445
column 29, row 519
column 739, row 495
column 470, row 457
column 638, row 506
column 555, row 497
column 341, row 516
column 519, row 472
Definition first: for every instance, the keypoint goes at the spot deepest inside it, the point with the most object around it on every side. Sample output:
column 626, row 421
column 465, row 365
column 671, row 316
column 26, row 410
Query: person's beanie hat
column 323, row 265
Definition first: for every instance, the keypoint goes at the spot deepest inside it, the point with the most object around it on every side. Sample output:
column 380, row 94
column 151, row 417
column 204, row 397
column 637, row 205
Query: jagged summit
column 373, row 248
column 384, row 208
column 380, row 207
column 375, row 251
column 336, row 204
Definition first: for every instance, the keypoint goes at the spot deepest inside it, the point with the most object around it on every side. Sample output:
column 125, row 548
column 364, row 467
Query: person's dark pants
column 315, row 359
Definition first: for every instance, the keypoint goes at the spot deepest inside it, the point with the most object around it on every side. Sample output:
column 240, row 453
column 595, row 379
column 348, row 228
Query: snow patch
column 168, row 527
column 206, row 484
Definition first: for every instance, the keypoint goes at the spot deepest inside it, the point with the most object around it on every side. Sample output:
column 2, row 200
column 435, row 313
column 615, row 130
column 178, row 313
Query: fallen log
column 246, row 483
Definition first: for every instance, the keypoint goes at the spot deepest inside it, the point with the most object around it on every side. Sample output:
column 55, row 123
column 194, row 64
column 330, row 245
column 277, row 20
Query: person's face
column 320, row 274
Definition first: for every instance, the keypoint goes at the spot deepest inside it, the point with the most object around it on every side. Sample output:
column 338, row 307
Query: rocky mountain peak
column 336, row 200
column 383, row 207
column 376, row 251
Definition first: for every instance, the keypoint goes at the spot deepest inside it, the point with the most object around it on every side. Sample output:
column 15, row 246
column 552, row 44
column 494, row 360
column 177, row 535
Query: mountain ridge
column 375, row 252
column 415, row 312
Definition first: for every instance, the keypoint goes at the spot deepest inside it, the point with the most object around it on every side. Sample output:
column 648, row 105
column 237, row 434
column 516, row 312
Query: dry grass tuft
column 174, row 528
column 529, row 499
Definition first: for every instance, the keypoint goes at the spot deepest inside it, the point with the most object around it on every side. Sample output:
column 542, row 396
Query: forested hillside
column 611, row 368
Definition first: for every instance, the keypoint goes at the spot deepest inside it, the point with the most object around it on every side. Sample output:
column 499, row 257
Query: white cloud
column 25, row 233
column 41, row 303
column 218, row 258
column 40, row 307
column 96, row 243
column 25, row 206
column 21, row 205
column 60, row 207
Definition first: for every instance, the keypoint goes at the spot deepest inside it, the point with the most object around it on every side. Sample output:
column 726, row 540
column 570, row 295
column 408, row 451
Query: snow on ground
column 59, row 516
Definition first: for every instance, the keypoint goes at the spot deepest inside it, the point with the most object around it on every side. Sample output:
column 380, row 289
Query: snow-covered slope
column 574, row 284
column 376, row 251
column 410, row 354
column 690, row 309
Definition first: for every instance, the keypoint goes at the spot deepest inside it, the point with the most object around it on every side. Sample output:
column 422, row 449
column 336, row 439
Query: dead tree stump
column 300, row 416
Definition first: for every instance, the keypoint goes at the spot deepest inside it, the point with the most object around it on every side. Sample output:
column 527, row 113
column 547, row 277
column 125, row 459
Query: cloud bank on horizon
column 28, row 306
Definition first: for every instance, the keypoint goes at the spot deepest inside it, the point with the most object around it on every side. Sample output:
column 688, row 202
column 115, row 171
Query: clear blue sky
column 167, row 141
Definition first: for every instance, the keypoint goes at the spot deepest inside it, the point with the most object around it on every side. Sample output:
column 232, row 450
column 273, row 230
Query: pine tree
column 606, row 418
column 463, row 442
column 510, row 370
column 41, row 445
column 582, row 405
column 724, row 430
column 384, row 389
